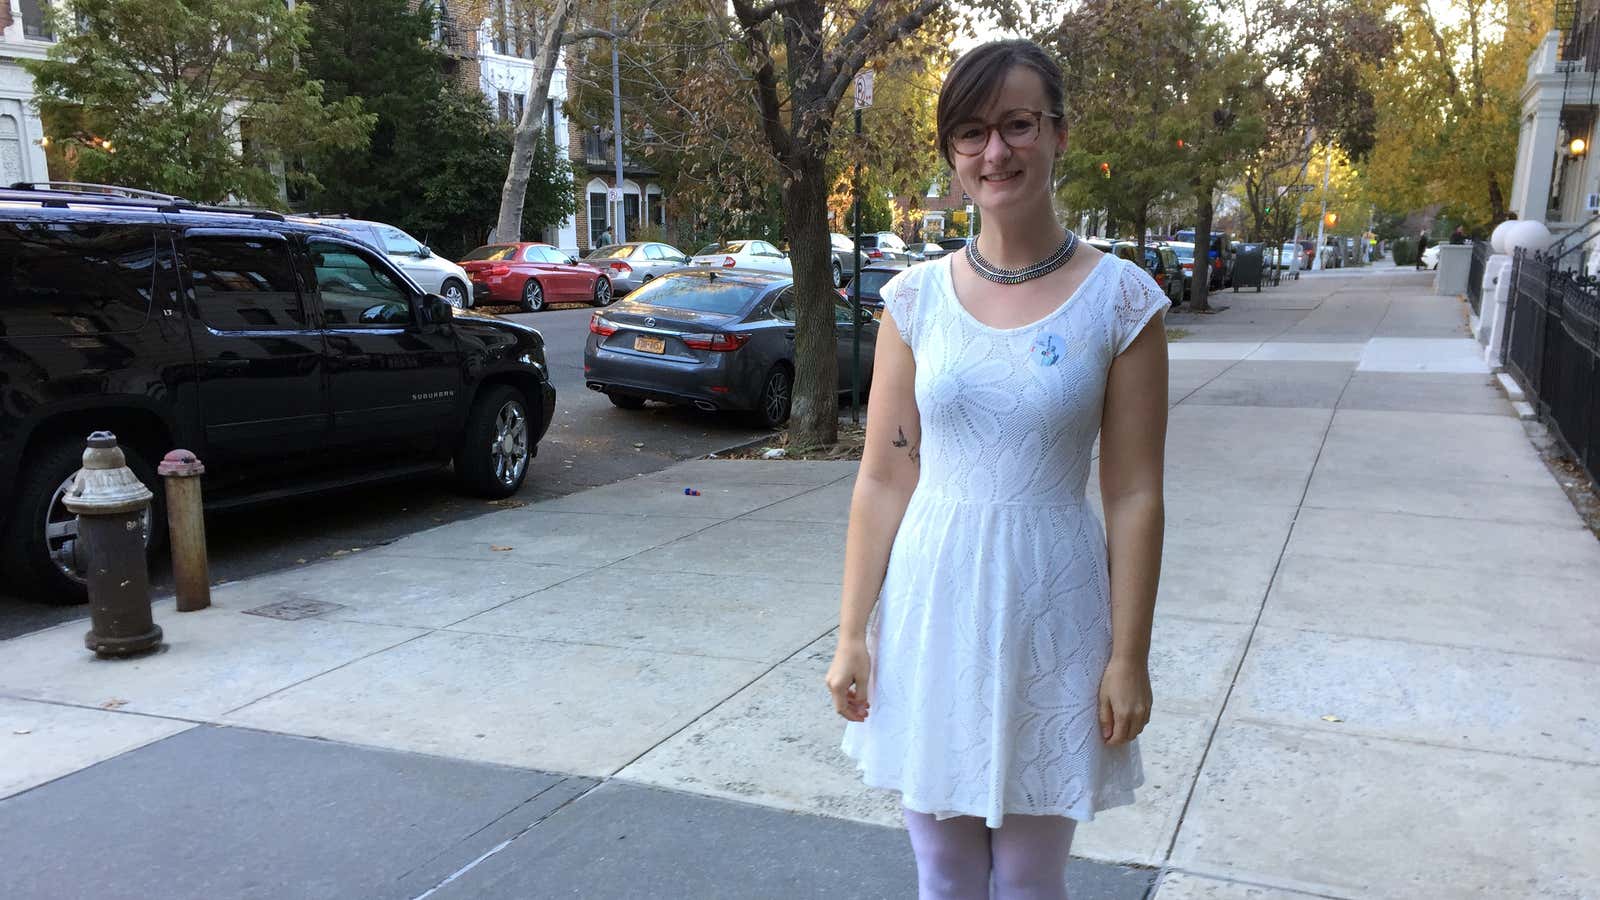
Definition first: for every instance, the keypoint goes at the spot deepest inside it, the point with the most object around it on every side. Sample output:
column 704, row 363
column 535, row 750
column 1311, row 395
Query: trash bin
column 1248, row 267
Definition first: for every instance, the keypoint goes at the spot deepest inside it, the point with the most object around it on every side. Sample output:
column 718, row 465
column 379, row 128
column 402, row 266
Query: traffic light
column 1331, row 219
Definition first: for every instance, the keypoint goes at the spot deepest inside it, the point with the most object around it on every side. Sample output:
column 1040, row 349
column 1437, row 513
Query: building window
column 10, row 151
column 550, row 120
column 597, row 216
column 630, row 212
column 34, row 26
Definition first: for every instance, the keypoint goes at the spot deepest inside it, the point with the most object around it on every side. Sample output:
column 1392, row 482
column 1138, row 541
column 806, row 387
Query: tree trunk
column 1497, row 200
column 1141, row 219
column 524, row 145
column 1200, row 289
column 814, row 419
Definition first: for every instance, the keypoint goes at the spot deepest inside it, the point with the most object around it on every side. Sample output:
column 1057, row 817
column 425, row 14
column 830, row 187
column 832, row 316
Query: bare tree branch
column 766, row 86
column 865, row 47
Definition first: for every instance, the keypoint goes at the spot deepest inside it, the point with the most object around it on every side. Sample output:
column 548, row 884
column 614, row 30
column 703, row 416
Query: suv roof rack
column 89, row 187
column 47, row 194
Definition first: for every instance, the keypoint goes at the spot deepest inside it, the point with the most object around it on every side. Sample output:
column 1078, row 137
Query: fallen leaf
column 1331, row 718
column 114, row 703
column 498, row 549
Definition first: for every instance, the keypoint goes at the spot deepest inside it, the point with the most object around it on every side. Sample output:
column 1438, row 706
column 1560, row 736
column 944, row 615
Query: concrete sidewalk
column 1375, row 654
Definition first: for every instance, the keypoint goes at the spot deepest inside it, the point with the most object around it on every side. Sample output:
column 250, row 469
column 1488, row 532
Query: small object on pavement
column 1331, row 718
column 775, row 453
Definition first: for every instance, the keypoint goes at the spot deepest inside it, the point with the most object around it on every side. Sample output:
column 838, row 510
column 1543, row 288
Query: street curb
column 744, row 445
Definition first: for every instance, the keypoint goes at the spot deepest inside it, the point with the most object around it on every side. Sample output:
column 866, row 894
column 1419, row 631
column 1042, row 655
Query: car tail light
column 1161, row 279
column 875, row 254
column 719, row 342
column 729, row 262
column 844, row 293
column 600, row 326
column 500, row 270
column 621, row 268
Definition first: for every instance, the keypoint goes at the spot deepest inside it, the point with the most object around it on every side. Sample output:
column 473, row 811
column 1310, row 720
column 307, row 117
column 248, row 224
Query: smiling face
column 1001, row 178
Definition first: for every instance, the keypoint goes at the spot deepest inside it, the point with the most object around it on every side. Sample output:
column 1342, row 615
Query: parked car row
column 291, row 356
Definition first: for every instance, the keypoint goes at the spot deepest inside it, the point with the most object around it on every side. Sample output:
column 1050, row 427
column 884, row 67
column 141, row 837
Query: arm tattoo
column 903, row 443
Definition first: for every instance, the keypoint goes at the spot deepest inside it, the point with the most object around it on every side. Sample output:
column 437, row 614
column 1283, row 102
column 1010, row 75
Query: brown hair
column 977, row 76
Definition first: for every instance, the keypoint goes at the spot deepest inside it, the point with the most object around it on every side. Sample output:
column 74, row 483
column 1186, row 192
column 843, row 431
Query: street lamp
column 1331, row 219
column 1578, row 146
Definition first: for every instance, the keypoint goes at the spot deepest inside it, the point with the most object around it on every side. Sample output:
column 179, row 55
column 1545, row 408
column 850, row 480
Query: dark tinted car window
column 869, row 241
column 492, row 252
column 354, row 291
column 700, row 294
column 244, row 284
column 953, row 244
column 74, row 279
column 872, row 282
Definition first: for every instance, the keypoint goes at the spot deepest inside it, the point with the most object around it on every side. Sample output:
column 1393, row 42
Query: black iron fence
column 1480, row 258
column 1552, row 348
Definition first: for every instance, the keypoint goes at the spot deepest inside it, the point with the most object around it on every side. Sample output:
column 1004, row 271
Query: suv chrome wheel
column 509, row 452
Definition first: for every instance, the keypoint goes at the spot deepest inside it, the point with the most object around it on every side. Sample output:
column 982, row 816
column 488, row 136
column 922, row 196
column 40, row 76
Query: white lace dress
column 993, row 626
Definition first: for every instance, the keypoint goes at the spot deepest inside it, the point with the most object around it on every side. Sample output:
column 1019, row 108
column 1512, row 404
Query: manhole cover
column 290, row 610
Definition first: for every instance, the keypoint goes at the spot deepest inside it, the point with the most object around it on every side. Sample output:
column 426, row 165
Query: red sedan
column 533, row 275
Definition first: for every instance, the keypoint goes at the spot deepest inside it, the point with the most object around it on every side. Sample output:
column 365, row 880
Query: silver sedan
column 632, row 264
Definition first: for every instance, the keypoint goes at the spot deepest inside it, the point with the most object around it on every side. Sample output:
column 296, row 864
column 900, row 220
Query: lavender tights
column 959, row 858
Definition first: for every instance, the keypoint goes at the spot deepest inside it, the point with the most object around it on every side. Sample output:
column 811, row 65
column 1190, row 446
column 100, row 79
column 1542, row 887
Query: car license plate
column 650, row 344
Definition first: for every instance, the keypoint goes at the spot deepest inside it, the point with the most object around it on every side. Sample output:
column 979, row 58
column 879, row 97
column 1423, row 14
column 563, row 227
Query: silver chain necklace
column 991, row 272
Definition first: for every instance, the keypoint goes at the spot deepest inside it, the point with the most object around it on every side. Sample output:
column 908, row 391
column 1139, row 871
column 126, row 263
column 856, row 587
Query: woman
column 1004, row 675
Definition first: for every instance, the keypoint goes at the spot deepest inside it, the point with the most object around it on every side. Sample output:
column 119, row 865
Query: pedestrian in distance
column 605, row 236
column 992, row 655
column 1459, row 236
column 1422, row 244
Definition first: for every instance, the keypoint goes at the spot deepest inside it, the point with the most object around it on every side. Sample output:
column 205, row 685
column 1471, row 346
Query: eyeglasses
column 1018, row 128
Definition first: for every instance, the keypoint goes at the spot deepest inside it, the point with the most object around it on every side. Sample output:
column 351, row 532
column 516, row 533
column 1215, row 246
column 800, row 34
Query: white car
column 1430, row 256
column 432, row 273
column 1289, row 256
column 758, row 255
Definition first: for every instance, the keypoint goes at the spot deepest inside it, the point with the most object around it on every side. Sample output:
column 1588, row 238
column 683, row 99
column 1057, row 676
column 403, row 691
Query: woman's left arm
column 1133, row 437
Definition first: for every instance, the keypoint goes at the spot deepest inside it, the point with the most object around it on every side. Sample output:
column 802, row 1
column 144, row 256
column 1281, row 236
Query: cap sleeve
column 900, row 301
column 1139, row 299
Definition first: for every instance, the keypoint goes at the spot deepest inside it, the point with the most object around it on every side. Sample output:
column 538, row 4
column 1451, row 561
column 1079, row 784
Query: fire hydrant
column 110, row 502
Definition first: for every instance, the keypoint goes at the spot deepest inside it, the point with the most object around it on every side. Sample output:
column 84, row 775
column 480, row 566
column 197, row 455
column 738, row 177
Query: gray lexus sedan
column 717, row 339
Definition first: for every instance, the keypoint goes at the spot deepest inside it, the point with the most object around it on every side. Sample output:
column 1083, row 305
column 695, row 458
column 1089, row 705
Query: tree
column 547, row 29
column 437, row 158
column 199, row 98
column 1448, row 107
column 1125, row 124
column 683, row 116
column 797, row 86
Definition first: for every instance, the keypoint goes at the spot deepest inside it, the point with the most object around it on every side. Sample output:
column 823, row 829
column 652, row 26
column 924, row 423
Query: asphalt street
column 590, row 443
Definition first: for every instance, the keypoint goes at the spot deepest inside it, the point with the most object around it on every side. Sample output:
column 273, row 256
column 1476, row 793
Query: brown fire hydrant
column 110, row 502
column 186, row 529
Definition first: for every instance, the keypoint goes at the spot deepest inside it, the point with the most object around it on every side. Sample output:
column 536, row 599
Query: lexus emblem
column 649, row 321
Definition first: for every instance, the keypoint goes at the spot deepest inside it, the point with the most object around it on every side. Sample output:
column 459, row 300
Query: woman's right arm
column 890, row 465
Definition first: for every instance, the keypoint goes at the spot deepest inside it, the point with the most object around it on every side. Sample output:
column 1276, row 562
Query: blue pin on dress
column 1047, row 349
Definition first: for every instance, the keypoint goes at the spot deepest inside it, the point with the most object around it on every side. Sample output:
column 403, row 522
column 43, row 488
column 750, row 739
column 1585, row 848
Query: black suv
column 290, row 357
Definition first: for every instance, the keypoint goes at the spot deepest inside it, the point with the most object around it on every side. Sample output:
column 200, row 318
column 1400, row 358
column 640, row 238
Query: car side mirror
column 865, row 316
column 423, row 252
column 435, row 310
column 572, row 260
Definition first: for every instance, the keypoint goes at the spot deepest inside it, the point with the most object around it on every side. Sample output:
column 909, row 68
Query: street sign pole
column 863, row 100
column 1327, row 166
column 621, row 235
